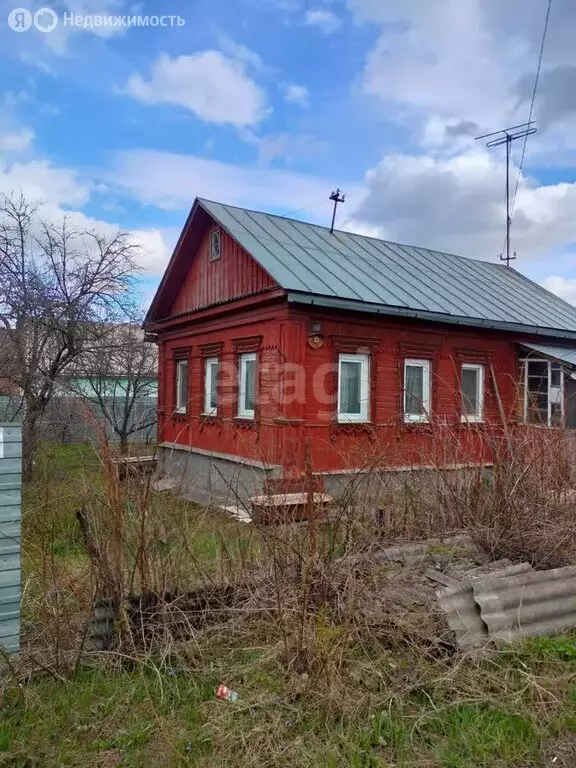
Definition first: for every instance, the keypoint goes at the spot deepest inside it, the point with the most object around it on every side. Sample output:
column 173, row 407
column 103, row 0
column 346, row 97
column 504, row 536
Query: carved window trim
column 213, row 349
column 247, row 344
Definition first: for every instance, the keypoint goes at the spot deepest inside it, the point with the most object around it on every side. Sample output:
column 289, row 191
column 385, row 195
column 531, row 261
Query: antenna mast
column 337, row 198
column 507, row 136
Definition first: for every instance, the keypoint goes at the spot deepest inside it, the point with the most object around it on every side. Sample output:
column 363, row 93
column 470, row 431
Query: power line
column 531, row 105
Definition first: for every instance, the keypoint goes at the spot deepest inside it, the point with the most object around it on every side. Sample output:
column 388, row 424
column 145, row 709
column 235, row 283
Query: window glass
column 181, row 385
column 416, row 390
column 350, row 375
column 250, row 384
column 470, row 391
column 247, row 386
column 544, row 393
column 472, row 388
column 211, row 386
column 537, row 392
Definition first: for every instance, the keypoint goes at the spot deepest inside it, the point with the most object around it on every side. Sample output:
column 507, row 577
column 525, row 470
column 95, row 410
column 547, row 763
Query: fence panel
column 10, row 534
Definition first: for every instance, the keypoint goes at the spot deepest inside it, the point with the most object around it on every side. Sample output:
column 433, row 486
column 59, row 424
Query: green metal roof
column 352, row 271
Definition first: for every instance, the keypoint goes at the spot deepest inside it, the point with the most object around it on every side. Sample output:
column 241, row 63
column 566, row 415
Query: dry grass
column 337, row 662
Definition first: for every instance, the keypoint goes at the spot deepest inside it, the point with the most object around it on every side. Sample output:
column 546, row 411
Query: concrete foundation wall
column 210, row 477
column 377, row 485
column 223, row 479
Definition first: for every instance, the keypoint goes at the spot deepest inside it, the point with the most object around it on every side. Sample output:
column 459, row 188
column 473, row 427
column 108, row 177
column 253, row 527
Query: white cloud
column 215, row 88
column 39, row 180
column 469, row 61
column 62, row 192
column 457, row 204
column 156, row 248
column 172, row 181
column 288, row 146
column 58, row 41
column 241, row 52
column 296, row 94
column 16, row 141
column 561, row 286
column 326, row 21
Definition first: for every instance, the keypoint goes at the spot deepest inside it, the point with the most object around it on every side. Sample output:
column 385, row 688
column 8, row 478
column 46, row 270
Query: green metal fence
column 10, row 517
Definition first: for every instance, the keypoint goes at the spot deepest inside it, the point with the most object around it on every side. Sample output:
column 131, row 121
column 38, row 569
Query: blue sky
column 273, row 103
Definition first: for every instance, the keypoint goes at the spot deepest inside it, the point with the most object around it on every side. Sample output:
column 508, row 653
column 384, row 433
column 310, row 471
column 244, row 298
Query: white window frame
column 426, row 365
column 363, row 416
column 243, row 412
column 478, row 417
column 550, row 363
column 180, row 406
column 210, row 364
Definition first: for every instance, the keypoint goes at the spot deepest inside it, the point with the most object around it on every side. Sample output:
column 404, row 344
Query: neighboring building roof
column 349, row 271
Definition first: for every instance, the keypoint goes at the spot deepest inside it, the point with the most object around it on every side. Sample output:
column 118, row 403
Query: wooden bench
column 136, row 466
column 274, row 509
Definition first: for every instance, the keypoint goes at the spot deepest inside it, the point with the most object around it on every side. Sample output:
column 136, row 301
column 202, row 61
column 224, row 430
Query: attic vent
column 215, row 245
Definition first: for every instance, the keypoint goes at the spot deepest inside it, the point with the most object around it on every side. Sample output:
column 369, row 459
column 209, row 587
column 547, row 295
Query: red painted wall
column 227, row 337
column 234, row 275
column 290, row 410
column 389, row 341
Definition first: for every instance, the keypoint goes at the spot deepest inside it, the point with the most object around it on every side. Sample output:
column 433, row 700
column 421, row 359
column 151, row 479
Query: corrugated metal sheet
column 10, row 514
column 307, row 259
column 535, row 603
column 566, row 354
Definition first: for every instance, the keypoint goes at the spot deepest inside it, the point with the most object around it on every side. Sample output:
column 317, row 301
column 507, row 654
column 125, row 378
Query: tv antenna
column 337, row 198
column 507, row 136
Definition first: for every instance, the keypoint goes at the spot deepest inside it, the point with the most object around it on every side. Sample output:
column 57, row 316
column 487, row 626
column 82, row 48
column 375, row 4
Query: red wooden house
column 273, row 332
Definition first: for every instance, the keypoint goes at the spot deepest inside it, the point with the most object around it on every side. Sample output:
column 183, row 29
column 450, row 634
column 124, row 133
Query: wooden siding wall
column 225, row 338
column 234, row 275
column 291, row 410
column 389, row 342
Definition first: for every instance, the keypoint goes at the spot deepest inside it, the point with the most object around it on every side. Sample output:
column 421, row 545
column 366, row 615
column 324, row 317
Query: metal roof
column 354, row 271
column 565, row 354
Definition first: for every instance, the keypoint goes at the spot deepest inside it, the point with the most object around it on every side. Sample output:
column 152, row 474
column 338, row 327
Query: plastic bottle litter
column 226, row 694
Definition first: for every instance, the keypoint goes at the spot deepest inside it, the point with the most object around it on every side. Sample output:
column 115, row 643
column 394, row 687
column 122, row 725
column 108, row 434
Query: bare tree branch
column 59, row 288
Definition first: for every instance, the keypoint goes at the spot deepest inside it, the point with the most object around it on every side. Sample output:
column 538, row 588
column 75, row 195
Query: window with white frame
column 247, row 386
column 543, row 392
column 353, row 389
column 472, row 392
column 211, row 365
column 416, row 390
column 181, row 386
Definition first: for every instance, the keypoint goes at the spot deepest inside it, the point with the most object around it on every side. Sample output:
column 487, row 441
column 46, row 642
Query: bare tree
column 58, row 288
column 119, row 376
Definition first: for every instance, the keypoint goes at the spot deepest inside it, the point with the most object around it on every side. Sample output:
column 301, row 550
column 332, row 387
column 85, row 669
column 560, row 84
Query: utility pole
column 507, row 136
column 337, row 198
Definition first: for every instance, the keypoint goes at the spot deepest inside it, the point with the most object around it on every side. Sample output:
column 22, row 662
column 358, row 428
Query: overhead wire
column 532, row 105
